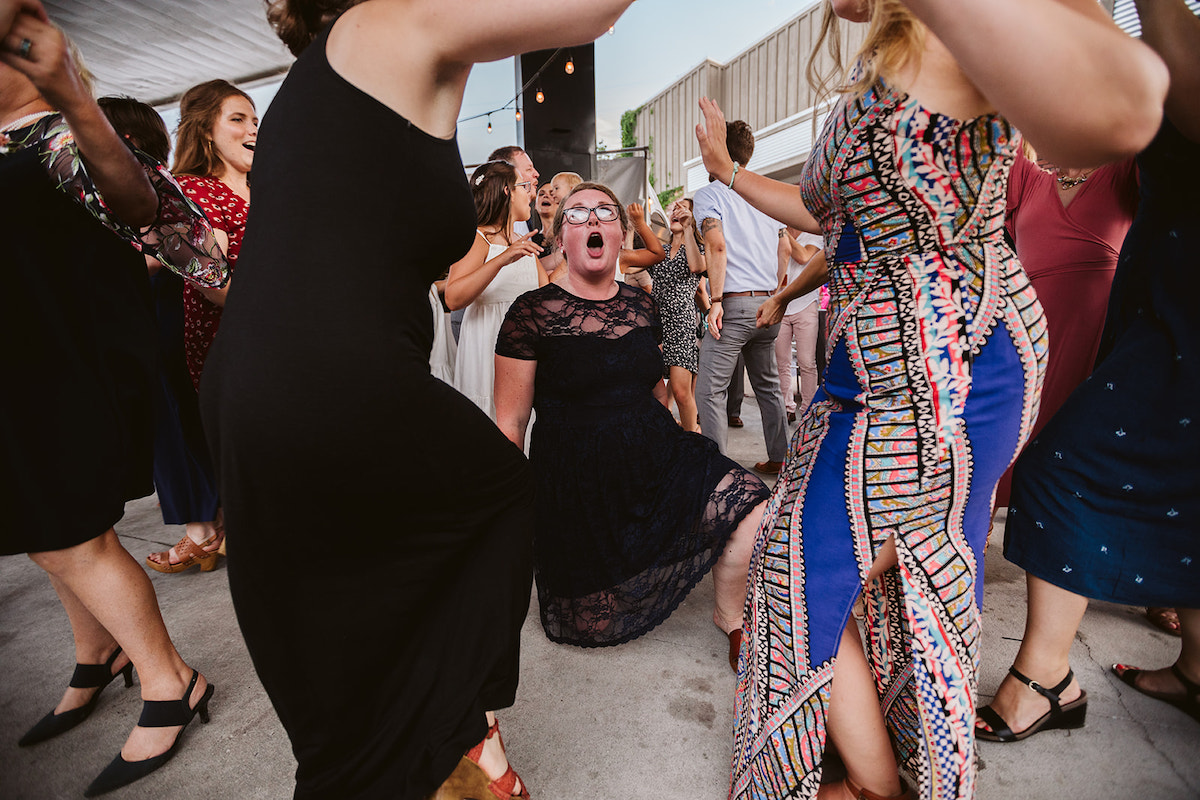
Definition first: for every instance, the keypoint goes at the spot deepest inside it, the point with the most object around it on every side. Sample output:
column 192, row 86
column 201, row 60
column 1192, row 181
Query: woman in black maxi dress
column 379, row 548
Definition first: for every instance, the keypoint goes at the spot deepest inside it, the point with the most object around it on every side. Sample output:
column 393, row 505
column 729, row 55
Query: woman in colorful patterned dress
column 218, row 130
column 938, row 351
column 77, row 352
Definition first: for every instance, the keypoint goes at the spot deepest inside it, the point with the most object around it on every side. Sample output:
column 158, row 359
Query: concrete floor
column 649, row 719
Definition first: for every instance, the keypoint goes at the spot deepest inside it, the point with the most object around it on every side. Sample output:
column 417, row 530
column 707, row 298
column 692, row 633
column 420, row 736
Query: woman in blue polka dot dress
column 1106, row 500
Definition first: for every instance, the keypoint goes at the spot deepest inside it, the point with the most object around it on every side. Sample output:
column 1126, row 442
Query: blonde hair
column 894, row 39
column 86, row 77
column 572, row 179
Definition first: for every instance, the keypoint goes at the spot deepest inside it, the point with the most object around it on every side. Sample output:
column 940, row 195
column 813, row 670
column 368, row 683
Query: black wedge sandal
column 1063, row 716
column 155, row 714
column 1188, row 702
column 86, row 676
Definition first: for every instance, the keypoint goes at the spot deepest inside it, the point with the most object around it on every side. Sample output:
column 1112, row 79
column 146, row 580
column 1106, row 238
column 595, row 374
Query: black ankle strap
column 1189, row 686
column 1051, row 694
column 91, row 676
column 167, row 713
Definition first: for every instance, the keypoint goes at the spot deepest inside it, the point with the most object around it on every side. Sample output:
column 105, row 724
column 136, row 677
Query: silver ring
column 24, row 48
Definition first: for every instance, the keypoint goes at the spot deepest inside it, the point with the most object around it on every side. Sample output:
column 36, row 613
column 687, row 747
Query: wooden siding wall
column 761, row 85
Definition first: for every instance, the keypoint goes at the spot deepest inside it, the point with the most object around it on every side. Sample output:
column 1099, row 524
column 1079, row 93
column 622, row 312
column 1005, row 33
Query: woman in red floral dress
column 218, row 128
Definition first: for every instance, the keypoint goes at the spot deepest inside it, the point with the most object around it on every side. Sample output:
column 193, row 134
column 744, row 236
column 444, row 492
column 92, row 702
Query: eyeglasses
column 527, row 184
column 578, row 215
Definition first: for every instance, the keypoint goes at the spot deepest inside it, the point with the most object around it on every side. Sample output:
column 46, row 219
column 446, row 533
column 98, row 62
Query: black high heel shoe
column 86, row 676
column 155, row 714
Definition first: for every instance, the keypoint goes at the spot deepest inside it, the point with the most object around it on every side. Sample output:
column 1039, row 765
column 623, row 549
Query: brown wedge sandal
column 190, row 554
column 470, row 782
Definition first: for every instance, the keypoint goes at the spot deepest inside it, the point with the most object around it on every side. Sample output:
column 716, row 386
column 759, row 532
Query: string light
column 570, row 68
column 540, row 96
column 611, row 28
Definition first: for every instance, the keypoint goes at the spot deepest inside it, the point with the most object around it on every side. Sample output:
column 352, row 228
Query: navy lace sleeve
column 519, row 334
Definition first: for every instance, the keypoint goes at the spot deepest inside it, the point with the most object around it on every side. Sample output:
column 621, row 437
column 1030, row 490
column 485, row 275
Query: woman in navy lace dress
column 613, row 564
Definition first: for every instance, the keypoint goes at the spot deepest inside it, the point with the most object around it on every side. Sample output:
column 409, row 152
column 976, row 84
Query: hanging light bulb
column 518, row 115
column 540, row 97
column 611, row 28
column 489, row 123
column 570, row 68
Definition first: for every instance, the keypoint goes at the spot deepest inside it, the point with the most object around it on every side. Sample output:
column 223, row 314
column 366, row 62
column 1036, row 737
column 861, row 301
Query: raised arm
column 1081, row 90
column 432, row 44
column 113, row 169
column 774, row 198
column 651, row 254
column 1174, row 33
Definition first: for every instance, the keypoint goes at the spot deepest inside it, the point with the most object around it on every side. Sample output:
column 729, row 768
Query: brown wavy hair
column 492, row 184
column 583, row 187
column 198, row 112
column 894, row 39
column 297, row 22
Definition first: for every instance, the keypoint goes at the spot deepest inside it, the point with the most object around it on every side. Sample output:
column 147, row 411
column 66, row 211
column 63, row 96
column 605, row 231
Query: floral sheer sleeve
column 180, row 237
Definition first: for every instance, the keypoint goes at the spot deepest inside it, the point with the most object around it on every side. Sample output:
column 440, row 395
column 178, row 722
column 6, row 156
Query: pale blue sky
column 652, row 45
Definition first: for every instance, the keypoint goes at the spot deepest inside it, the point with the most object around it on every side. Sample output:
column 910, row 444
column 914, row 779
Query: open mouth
column 595, row 244
column 249, row 146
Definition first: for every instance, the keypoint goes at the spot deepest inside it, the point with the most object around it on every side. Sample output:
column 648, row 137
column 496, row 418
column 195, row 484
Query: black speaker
column 559, row 133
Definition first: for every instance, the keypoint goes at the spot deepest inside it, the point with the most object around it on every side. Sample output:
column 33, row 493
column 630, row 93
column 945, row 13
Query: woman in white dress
column 499, row 267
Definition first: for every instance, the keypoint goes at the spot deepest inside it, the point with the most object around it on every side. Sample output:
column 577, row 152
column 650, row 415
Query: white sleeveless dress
column 475, row 366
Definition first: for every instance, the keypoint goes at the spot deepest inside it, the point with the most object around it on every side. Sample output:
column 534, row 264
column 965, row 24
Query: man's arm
column 714, row 256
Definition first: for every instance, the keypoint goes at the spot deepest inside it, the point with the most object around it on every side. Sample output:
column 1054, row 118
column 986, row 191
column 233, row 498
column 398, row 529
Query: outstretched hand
column 636, row 214
column 711, row 136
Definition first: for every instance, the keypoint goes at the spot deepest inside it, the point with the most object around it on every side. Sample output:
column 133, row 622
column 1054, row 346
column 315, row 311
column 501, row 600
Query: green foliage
column 668, row 196
column 629, row 127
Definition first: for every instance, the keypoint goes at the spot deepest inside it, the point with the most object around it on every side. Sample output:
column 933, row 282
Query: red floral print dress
column 201, row 318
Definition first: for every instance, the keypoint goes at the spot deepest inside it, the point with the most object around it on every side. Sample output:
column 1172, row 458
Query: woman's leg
column 805, row 332
column 732, row 570
column 1163, row 680
column 783, row 360
column 1052, row 618
column 856, row 724
column 93, row 644
column 681, row 381
column 104, row 589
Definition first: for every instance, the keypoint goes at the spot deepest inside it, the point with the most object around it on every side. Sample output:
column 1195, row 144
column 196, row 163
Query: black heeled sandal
column 1188, row 702
column 86, row 676
column 155, row 714
column 1063, row 716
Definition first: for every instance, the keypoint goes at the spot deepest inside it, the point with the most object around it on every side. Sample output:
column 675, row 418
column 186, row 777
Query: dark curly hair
column 297, row 22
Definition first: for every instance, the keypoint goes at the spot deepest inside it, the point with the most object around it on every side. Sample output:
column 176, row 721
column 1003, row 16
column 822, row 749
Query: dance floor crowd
column 980, row 307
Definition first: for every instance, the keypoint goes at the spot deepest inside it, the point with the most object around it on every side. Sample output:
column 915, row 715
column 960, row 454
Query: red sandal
column 470, row 781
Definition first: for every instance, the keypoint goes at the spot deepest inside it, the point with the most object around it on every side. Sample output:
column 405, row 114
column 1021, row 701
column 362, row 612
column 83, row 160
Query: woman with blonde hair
column 938, row 351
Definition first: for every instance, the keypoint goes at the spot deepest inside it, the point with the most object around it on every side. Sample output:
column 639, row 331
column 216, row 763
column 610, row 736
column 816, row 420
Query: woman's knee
column 56, row 562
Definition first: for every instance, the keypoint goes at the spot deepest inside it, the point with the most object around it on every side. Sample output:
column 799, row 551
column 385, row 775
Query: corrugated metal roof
column 153, row 50
column 1125, row 15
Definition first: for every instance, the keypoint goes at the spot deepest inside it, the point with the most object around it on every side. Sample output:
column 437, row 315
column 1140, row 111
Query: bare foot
column 146, row 743
column 1020, row 706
